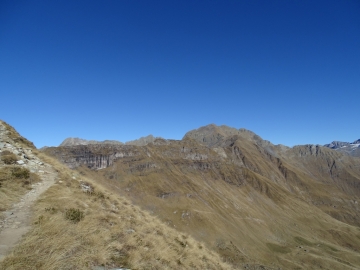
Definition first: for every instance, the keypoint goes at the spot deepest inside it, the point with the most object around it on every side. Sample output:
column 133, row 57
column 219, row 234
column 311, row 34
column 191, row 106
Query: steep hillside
column 78, row 224
column 250, row 201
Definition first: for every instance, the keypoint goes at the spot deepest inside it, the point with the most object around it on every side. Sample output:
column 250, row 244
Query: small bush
column 21, row 173
column 9, row 158
column 74, row 215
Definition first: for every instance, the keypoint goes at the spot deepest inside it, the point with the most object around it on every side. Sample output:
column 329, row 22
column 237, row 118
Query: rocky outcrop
column 97, row 156
column 352, row 149
column 11, row 141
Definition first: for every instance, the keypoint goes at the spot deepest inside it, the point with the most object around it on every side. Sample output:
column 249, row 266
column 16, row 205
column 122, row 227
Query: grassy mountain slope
column 79, row 224
column 250, row 201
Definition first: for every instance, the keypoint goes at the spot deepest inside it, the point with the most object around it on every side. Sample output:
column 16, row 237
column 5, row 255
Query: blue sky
column 287, row 70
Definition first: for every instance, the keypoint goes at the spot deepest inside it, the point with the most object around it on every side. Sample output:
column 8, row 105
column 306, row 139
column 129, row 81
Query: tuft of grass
column 21, row 173
column 74, row 215
column 9, row 159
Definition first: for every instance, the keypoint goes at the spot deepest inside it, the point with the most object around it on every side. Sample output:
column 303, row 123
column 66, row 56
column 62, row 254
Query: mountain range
column 205, row 136
column 139, row 142
column 252, row 202
column 353, row 149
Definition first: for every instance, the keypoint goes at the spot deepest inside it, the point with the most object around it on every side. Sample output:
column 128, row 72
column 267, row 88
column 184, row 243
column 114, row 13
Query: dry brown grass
column 14, row 182
column 112, row 233
column 9, row 158
column 256, row 223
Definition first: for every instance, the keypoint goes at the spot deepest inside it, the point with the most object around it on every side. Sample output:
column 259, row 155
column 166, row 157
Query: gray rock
column 85, row 187
column 20, row 162
column 352, row 149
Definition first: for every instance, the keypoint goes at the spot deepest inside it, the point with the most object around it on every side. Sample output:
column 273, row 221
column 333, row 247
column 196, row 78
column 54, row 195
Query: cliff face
column 100, row 156
column 93, row 156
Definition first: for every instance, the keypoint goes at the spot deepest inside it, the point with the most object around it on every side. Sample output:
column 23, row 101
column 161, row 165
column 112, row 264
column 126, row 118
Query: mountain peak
column 211, row 135
column 142, row 141
column 353, row 149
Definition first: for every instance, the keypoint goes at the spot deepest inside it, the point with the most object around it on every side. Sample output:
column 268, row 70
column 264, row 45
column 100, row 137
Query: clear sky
column 287, row 70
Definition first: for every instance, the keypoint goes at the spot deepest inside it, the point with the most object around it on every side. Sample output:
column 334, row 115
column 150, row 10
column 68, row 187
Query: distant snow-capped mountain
column 353, row 149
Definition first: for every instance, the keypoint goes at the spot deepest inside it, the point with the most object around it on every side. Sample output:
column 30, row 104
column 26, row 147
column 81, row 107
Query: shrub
column 9, row 158
column 74, row 215
column 21, row 173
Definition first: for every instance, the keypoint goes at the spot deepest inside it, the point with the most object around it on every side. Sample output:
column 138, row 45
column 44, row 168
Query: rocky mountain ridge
column 77, row 141
column 353, row 149
column 139, row 142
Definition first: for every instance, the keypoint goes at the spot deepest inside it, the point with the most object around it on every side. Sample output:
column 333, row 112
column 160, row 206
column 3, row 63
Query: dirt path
column 17, row 219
